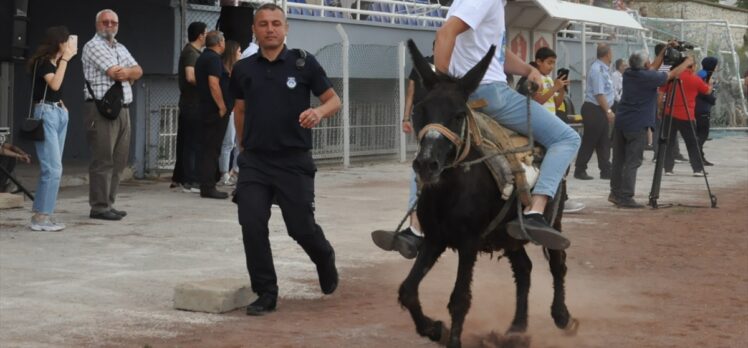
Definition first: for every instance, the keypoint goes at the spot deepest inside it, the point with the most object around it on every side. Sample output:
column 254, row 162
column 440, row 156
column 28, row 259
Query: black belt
column 91, row 101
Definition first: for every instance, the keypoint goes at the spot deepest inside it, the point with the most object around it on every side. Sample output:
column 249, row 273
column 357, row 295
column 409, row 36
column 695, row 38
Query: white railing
column 416, row 13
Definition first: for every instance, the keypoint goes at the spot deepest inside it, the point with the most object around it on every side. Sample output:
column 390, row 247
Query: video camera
column 676, row 54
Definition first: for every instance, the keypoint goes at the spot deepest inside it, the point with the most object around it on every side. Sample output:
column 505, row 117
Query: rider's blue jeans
column 509, row 108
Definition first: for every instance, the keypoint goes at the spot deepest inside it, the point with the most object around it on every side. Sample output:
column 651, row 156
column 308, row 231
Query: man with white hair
column 635, row 115
column 107, row 64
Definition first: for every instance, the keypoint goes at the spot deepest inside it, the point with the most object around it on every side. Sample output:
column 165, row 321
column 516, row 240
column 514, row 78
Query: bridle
column 462, row 142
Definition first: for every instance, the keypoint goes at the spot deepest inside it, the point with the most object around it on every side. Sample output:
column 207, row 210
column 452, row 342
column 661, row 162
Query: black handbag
column 110, row 104
column 33, row 128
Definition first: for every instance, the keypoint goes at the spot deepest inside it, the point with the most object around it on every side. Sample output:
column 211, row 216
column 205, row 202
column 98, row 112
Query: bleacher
column 401, row 13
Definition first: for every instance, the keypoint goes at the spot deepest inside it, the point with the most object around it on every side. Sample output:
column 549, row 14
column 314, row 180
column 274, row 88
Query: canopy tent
column 553, row 15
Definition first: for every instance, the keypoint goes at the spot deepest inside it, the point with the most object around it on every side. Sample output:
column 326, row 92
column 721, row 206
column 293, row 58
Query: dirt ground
column 675, row 277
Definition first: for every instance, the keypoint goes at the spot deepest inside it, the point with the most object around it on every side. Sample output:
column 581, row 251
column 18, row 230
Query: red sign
column 540, row 43
column 519, row 46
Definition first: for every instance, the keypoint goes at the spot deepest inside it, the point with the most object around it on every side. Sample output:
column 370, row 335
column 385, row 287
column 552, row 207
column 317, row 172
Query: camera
column 674, row 55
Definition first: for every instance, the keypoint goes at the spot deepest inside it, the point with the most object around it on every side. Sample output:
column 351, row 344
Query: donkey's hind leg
column 521, row 267
column 559, row 312
column 408, row 296
column 459, row 302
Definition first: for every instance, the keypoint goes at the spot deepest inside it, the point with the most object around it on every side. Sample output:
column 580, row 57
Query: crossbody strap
column 33, row 83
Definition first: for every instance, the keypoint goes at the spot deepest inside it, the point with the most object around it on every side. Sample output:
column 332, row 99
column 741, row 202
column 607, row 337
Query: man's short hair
column 638, row 59
column 195, row 30
column 659, row 47
column 213, row 38
column 602, row 50
column 269, row 7
column 544, row 53
column 106, row 10
column 619, row 63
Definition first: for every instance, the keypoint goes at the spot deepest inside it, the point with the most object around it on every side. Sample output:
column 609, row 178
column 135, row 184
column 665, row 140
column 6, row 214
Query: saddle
column 508, row 156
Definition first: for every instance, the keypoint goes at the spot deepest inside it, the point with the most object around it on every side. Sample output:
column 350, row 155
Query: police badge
column 291, row 83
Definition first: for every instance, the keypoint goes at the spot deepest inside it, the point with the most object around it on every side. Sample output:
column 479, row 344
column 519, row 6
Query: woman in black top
column 48, row 65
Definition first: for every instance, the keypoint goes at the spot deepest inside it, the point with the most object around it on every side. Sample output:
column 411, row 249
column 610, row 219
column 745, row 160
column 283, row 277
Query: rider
column 471, row 27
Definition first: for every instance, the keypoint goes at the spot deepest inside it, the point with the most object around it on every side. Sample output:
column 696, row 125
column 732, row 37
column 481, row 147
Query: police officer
column 272, row 96
column 597, row 116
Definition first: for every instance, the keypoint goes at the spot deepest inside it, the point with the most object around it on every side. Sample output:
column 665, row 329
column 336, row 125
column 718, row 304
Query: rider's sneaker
column 405, row 242
column 538, row 231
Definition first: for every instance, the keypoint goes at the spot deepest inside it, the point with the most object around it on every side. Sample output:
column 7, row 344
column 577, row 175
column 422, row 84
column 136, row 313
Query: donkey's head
column 439, row 119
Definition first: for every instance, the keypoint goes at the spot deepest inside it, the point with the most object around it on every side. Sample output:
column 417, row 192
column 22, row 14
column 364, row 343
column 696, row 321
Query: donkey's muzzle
column 428, row 169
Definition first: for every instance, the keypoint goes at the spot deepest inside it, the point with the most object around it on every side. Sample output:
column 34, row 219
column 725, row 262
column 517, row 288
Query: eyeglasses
column 109, row 23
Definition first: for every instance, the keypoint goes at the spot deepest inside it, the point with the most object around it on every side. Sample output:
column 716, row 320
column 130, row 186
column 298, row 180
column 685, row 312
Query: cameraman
column 683, row 118
column 634, row 118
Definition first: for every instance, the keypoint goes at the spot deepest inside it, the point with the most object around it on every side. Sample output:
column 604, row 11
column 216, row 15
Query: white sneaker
column 45, row 224
column 572, row 206
column 669, row 173
column 225, row 179
column 699, row 173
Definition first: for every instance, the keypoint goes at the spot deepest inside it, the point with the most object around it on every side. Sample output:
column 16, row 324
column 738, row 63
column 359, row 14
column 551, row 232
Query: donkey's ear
column 470, row 82
column 422, row 66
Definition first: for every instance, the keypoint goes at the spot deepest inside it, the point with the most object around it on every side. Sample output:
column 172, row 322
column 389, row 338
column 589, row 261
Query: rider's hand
column 535, row 76
column 407, row 126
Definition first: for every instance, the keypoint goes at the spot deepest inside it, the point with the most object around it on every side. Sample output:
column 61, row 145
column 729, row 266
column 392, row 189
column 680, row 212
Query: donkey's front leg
column 521, row 267
column 408, row 298
column 459, row 302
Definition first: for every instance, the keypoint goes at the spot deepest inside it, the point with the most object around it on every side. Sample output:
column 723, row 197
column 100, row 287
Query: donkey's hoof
column 572, row 327
column 438, row 332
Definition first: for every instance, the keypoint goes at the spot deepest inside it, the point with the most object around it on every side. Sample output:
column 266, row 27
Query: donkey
column 457, row 205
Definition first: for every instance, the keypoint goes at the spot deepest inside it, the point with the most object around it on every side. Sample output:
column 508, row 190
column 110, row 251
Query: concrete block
column 9, row 200
column 213, row 295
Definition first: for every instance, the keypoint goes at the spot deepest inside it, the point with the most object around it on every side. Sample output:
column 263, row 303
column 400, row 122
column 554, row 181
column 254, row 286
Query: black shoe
column 707, row 163
column 263, row 305
column 582, row 175
column 121, row 213
column 405, row 242
column 105, row 215
column 538, row 231
column 328, row 275
column 605, row 176
column 629, row 203
column 213, row 193
column 613, row 199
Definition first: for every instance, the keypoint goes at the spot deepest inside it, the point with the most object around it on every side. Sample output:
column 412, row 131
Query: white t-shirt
column 487, row 27
column 250, row 50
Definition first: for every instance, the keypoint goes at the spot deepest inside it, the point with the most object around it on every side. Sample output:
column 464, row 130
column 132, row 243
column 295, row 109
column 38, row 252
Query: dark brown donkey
column 457, row 204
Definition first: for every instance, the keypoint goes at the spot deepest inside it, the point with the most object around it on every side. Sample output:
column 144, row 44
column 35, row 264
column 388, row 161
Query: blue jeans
column 509, row 108
column 49, row 153
column 227, row 146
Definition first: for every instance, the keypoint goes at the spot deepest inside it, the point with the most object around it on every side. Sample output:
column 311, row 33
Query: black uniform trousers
column 684, row 128
column 289, row 177
column 628, row 152
column 188, row 146
column 213, row 131
column 596, row 138
column 702, row 130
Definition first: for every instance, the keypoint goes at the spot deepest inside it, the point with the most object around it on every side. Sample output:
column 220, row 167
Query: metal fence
column 371, row 79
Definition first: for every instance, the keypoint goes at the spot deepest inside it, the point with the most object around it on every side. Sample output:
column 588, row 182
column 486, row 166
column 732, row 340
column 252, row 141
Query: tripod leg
column 663, row 142
column 15, row 181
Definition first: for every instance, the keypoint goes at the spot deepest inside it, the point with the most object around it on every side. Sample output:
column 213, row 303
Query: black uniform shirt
column 275, row 94
column 209, row 64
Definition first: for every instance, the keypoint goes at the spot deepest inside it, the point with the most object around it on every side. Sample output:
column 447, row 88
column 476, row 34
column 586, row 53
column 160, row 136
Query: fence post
column 403, row 86
column 346, row 103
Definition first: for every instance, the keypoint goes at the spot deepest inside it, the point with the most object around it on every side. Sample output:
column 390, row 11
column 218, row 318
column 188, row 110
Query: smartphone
column 73, row 41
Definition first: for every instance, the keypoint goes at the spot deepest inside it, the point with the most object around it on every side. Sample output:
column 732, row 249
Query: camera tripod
column 664, row 139
column 15, row 181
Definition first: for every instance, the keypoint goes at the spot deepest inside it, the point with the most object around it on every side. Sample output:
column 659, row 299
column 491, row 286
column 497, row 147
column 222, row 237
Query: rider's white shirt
column 487, row 27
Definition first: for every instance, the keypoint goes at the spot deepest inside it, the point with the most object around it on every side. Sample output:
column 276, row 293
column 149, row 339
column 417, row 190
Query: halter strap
column 463, row 141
